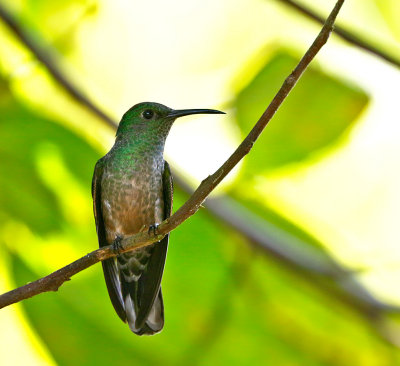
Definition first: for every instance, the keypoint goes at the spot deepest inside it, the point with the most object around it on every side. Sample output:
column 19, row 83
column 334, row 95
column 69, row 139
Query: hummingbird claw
column 117, row 246
column 153, row 228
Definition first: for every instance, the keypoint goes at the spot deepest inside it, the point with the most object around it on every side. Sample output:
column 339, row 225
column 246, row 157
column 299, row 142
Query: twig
column 46, row 58
column 56, row 279
column 344, row 34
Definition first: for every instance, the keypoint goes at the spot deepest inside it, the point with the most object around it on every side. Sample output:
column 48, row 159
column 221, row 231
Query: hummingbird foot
column 153, row 229
column 117, row 246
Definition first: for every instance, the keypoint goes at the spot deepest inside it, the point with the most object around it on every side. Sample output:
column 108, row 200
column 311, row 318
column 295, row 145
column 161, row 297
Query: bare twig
column 53, row 281
column 344, row 33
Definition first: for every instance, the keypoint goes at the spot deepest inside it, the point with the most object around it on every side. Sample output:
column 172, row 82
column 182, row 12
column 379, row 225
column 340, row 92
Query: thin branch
column 46, row 58
column 344, row 33
column 56, row 279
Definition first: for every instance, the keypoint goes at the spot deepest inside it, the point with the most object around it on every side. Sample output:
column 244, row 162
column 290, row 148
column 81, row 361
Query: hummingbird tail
column 154, row 321
column 124, row 294
column 140, row 289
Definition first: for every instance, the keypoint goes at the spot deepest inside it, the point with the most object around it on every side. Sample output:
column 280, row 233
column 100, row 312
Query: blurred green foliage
column 226, row 302
column 24, row 196
column 299, row 128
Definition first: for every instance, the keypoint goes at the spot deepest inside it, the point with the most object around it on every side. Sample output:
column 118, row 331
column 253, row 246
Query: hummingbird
column 132, row 191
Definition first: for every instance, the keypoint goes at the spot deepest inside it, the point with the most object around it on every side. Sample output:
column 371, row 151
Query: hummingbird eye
column 148, row 114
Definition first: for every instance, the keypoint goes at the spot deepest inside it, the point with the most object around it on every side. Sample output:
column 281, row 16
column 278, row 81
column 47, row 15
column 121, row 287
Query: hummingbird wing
column 109, row 265
column 149, row 283
column 168, row 187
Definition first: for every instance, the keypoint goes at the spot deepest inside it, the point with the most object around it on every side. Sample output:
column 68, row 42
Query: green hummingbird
column 132, row 191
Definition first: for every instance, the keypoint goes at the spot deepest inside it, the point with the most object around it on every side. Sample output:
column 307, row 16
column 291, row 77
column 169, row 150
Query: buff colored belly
column 129, row 206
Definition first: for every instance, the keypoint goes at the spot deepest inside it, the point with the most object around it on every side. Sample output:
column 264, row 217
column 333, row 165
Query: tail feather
column 126, row 277
column 153, row 323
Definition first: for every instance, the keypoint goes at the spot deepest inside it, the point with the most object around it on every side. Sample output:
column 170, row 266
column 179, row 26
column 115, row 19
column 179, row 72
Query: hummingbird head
column 154, row 118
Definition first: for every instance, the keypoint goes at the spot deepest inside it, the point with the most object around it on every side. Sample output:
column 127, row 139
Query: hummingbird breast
column 132, row 195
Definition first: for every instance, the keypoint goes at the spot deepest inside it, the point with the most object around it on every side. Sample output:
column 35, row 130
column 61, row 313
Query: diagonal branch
column 344, row 33
column 53, row 281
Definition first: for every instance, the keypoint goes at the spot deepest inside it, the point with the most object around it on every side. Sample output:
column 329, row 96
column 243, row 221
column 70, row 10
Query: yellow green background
column 320, row 185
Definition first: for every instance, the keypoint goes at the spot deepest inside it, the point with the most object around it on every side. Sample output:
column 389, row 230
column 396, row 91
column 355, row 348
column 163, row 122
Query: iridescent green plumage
column 132, row 191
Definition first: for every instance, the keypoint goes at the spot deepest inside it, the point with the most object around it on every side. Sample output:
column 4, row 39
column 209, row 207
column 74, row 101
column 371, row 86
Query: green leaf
column 24, row 195
column 316, row 113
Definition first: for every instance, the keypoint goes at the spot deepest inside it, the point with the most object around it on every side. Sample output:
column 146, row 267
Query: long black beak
column 185, row 112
